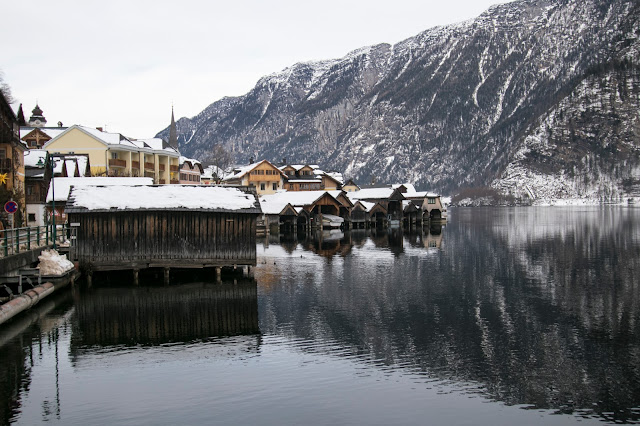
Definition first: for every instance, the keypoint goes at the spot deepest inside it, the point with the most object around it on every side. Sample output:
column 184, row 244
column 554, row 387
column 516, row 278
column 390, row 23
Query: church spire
column 20, row 116
column 173, row 134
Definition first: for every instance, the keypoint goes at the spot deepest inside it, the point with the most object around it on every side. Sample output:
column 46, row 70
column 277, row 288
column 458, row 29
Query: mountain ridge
column 453, row 106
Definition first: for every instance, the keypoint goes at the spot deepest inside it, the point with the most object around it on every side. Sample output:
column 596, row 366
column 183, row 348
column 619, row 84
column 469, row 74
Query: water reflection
column 24, row 341
column 109, row 316
column 537, row 307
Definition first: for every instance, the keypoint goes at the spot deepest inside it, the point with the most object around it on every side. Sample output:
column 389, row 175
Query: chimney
column 251, row 160
column 99, row 128
column 59, row 123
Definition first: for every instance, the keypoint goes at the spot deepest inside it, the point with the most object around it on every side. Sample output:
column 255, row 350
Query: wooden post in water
column 166, row 276
column 218, row 274
column 136, row 277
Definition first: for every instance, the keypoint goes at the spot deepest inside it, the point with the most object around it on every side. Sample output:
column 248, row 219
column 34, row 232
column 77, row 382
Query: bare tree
column 221, row 159
column 5, row 89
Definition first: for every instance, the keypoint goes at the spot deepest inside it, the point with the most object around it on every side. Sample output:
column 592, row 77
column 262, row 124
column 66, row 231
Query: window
column 431, row 200
column 262, row 186
column 3, row 154
column 32, row 217
column 114, row 155
column 275, row 186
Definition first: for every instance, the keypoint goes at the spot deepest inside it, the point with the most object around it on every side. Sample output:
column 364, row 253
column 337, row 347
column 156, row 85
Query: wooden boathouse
column 163, row 226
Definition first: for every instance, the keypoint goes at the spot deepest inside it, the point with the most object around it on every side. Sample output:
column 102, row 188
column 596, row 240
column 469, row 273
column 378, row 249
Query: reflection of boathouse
column 156, row 315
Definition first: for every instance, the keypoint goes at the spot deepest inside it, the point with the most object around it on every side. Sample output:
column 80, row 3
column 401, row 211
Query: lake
column 504, row 316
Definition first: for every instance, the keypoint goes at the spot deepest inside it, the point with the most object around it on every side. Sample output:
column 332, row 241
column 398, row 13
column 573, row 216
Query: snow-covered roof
column 409, row 186
column 156, row 144
column 108, row 138
column 422, row 194
column 275, row 203
column 298, row 167
column 161, row 197
column 240, row 171
column 52, row 132
column 191, row 160
column 370, row 193
column 335, row 176
column 62, row 185
column 367, row 205
column 32, row 156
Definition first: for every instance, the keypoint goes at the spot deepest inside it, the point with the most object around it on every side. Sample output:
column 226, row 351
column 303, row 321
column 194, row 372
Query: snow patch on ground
column 53, row 263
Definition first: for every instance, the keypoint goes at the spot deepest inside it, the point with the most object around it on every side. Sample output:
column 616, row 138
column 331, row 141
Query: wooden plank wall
column 165, row 236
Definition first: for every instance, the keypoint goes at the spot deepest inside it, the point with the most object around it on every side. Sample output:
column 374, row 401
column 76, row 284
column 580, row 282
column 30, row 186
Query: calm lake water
column 503, row 317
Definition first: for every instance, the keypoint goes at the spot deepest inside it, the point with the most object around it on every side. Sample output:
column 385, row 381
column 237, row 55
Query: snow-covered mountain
column 538, row 98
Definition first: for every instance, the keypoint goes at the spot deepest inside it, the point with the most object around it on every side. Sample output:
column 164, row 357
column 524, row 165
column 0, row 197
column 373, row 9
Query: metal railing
column 17, row 240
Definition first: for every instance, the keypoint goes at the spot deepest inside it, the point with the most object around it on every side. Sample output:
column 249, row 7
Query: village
column 40, row 164
column 118, row 203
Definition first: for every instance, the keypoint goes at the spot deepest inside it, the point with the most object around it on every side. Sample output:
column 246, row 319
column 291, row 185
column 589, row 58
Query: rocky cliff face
column 538, row 98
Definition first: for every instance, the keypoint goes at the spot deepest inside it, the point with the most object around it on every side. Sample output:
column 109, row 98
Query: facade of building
column 11, row 162
column 307, row 177
column 190, row 171
column 112, row 154
column 263, row 176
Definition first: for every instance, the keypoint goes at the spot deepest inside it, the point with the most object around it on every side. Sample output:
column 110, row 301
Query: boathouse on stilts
column 163, row 226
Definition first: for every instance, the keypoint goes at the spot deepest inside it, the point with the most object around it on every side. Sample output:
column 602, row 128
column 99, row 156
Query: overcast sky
column 123, row 63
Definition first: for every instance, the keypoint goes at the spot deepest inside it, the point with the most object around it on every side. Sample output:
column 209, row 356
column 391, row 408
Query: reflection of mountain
column 157, row 315
column 535, row 306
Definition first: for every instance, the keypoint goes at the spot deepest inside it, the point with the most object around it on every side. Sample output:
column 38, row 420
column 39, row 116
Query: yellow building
column 263, row 176
column 112, row 154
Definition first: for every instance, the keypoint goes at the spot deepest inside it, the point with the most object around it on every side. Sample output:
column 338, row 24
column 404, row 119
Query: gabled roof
column 239, row 172
column 108, row 139
column 275, row 203
column 52, row 132
column 371, row 194
column 85, row 199
column 364, row 205
column 191, row 162
column 350, row 182
column 155, row 144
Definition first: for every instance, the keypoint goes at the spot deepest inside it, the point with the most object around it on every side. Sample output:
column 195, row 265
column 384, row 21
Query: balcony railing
column 174, row 181
column 135, row 165
column 174, row 169
column 161, row 181
column 149, row 166
column 5, row 165
column 116, row 162
column 161, row 167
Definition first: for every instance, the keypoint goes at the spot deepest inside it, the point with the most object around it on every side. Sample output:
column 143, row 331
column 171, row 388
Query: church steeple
column 20, row 116
column 173, row 133
column 37, row 119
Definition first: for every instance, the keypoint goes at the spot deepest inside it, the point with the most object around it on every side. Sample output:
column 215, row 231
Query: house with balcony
column 306, row 177
column 263, row 176
column 112, row 154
